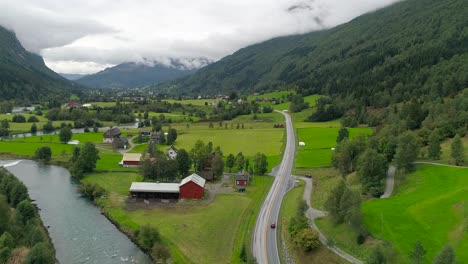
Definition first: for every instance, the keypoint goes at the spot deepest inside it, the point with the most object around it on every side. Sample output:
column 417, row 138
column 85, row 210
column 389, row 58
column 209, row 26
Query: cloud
column 77, row 36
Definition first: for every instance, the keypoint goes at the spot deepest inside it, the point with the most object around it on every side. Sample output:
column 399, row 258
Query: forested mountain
column 412, row 48
column 127, row 75
column 24, row 76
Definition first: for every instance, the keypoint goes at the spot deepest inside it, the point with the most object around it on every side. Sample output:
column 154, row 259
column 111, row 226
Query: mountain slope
column 72, row 76
column 127, row 75
column 411, row 48
column 24, row 75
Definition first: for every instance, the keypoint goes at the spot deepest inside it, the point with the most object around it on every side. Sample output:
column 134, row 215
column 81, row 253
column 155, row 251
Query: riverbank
column 78, row 229
column 26, row 236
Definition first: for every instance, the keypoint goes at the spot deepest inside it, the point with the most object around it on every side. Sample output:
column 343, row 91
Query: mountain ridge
column 403, row 48
column 133, row 74
column 25, row 76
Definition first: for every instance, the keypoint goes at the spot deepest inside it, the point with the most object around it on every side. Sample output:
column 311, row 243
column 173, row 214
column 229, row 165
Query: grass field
column 197, row 233
column 431, row 206
column 319, row 141
column 26, row 127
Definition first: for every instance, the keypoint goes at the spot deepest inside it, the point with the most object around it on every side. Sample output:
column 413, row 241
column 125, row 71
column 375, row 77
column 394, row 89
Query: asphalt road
column 264, row 243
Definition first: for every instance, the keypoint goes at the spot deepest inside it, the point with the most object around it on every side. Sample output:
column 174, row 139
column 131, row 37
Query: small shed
column 192, row 187
column 111, row 134
column 242, row 179
column 172, row 152
column 131, row 160
column 148, row 190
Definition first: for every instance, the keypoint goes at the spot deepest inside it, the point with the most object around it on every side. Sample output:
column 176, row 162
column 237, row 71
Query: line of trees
column 20, row 224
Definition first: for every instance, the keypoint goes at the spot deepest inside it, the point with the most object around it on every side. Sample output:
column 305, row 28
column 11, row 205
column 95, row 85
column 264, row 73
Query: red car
column 273, row 225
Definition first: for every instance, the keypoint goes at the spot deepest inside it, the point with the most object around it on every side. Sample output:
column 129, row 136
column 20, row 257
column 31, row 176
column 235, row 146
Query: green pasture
column 431, row 206
column 319, row 141
column 197, row 233
column 445, row 146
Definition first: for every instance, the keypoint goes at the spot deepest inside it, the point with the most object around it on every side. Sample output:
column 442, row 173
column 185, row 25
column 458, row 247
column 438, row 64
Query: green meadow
column 319, row 140
column 193, row 228
column 431, row 206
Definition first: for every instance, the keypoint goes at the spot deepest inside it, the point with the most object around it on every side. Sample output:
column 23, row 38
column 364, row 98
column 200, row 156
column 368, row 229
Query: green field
column 431, row 206
column 319, row 141
column 198, row 233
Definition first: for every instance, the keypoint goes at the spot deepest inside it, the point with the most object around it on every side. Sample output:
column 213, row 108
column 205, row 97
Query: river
column 79, row 232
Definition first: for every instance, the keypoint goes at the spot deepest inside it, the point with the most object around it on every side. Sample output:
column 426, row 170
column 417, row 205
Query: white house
column 172, row 152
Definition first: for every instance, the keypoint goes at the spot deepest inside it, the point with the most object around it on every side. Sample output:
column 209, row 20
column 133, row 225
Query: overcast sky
column 76, row 36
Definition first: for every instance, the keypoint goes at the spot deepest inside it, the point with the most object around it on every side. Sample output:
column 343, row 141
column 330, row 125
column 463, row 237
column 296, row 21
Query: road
column 264, row 241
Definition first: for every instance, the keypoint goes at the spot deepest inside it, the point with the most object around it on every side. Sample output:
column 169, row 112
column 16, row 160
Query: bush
column 92, row 191
column 296, row 224
column 360, row 239
column 307, row 239
column 33, row 119
column 18, row 119
column 159, row 253
column 148, row 236
column 40, row 254
column 43, row 154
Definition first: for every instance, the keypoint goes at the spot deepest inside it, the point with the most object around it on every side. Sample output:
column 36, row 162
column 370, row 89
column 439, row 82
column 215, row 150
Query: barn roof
column 113, row 132
column 154, row 187
column 132, row 157
column 194, row 178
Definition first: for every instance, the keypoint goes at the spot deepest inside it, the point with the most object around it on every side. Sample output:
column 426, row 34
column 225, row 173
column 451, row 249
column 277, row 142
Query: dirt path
column 440, row 164
column 390, row 182
column 313, row 214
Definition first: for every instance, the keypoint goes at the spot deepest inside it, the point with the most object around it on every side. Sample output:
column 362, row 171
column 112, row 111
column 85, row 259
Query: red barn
column 131, row 160
column 192, row 187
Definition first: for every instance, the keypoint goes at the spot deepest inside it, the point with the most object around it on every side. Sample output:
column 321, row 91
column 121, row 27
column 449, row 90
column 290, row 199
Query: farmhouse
column 171, row 152
column 242, row 179
column 120, row 143
column 111, row 134
column 192, row 187
column 131, row 160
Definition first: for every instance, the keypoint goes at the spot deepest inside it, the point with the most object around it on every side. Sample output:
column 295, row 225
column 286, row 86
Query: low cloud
column 84, row 37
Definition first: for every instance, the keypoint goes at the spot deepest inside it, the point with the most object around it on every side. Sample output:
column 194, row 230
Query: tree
column 217, row 166
column 307, row 239
column 40, row 254
column 151, row 150
column 199, row 154
column 372, row 169
column 434, row 150
column 260, row 164
column 332, row 204
column 297, row 103
column 48, row 127
column 65, row 134
column 4, row 214
column 240, row 161
column 4, row 126
column 417, row 254
column 457, row 151
column 171, row 136
column 445, row 256
column 43, row 154
column 33, row 129
column 377, row 256
column 230, row 162
column 25, row 211
column 342, row 134
column 84, row 160
column 407, row 151
column 184, row 162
